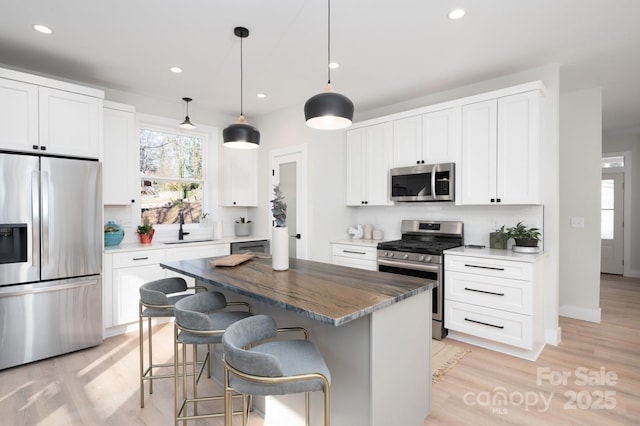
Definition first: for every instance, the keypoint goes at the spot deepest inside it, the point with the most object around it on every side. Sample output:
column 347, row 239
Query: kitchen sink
column 188, row 241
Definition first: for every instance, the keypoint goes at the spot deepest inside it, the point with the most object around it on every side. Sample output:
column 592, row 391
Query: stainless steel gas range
column 419, row 254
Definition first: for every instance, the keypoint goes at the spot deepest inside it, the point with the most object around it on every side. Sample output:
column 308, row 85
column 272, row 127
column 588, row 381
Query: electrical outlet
column 577, row 222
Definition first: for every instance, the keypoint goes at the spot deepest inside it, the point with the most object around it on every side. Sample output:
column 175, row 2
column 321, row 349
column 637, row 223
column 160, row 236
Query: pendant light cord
column 328, row 41
column 241, row 79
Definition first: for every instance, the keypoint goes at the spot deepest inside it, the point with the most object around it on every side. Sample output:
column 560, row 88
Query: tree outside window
column 171, row 176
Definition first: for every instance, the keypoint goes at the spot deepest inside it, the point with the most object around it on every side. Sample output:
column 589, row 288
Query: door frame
column 626, row 209
column 297, row 154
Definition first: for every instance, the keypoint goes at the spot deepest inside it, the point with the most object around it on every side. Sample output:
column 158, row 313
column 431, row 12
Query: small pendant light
column 241, row 134
column 328, row 110
column 186, row 124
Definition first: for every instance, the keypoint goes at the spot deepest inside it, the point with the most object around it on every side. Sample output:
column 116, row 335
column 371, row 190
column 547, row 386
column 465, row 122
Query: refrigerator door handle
column 35, row 218
column 45, row 218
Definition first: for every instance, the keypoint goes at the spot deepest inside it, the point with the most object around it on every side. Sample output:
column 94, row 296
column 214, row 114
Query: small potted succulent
column 243, row 227
column 523, row 235
column 145, row 232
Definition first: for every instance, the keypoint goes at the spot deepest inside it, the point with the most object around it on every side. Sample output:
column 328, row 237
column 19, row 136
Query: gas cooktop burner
column 426, row 237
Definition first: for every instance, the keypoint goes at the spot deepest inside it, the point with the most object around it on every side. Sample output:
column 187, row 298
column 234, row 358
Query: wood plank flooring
column 99, row 386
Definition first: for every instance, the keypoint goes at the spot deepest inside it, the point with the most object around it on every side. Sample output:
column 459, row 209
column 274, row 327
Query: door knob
column 297, row 236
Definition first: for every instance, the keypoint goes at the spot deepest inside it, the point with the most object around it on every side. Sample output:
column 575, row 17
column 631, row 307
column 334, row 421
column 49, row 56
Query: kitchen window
column 172, row 175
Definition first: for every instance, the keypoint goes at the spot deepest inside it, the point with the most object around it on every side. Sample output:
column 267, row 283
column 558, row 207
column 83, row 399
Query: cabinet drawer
column 196, row 252
column 493, row 292
column 500, row 326
column 491, row 267
column 361, row 252
column 370, row 265
column 138, row 258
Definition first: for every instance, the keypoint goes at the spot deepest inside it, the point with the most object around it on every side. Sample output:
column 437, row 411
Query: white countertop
column 505, row 254
column 359, row 242
column 158, row 245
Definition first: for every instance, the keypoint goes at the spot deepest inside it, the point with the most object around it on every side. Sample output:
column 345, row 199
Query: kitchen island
column 373, row 328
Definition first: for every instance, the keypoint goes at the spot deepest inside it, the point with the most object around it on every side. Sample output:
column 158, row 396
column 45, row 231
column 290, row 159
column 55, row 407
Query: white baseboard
column 553, row 336
column 578, row 312
column 633, row 273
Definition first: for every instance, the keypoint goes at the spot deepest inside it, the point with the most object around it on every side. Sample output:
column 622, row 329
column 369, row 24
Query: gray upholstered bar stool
column 271, row 368
column 156, row 301
column 201, row 319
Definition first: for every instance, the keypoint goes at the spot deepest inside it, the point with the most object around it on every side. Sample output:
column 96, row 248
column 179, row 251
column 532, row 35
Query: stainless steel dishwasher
column 256, row 246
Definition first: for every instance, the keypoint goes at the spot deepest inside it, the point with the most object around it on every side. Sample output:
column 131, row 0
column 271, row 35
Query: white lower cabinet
column 495, row 301
column 355, row 256
column 126, row 272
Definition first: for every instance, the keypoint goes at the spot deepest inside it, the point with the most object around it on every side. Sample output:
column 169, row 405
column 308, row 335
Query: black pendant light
column 187, row 124
column 240, row 134
column 328, row 110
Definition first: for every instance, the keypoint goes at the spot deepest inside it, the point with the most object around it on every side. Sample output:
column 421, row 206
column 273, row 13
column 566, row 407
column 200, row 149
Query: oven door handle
column 407, row 265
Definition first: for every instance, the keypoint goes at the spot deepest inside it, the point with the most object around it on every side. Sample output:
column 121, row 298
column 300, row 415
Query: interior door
column 289, row 171
column 612, row 223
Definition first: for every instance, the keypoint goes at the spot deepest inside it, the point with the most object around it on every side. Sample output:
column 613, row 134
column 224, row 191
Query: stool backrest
column 155, row 292
column 191, row 312
column 246, row 332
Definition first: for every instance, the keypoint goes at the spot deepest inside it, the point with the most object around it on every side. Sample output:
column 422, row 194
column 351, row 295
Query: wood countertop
column 328, row 293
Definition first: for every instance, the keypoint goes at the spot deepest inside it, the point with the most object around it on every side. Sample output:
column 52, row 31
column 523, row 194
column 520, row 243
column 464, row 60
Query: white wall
column 580, row 156
column 629, row 142
column 328, row 216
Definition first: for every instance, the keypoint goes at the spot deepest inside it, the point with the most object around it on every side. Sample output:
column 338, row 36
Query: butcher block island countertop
column 324, row 292
column 372, row 328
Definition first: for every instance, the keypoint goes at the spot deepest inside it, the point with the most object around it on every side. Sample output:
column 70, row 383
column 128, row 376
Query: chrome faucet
column 181, row 233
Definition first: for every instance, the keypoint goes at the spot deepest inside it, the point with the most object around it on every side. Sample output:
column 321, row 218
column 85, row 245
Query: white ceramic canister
column 368, row 232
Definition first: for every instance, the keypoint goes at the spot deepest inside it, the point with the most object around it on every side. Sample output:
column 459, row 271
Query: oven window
column 420, row 274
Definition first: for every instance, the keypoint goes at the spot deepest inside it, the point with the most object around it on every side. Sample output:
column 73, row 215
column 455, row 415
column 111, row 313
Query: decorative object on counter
column 280, row 233
column 232, row 259
column 241, row 134
column 204, row 220
column 113, row 234
column 526, row 239
column 378, row 234
column 368, row 232
column 187, row 124
column 242, row 227
column 145, row 232
column 328, row 110
column 498, row 239
column 356, row 233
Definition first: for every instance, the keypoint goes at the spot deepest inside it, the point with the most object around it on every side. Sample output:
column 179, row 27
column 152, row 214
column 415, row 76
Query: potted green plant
column 499, row 238
column 523, row 235
column 242, row 227
column 145, row 233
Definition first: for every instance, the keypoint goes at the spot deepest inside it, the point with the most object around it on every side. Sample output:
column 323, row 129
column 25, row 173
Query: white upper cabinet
column 69, row 123
column 501, row 151
column 18, row 115
column 238, row 177
column 427, row 139
column 120, row 155
column 369, row 153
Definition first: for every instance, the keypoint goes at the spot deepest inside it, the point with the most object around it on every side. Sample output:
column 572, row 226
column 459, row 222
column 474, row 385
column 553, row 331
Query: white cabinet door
column 18, row 115
column 441, row 132
column 369, row 151
column 120, row 155
column 126, row 285
column 70, row 123
column 518, row 155
column 407, row 141
column 239, row 177
column 479, row 139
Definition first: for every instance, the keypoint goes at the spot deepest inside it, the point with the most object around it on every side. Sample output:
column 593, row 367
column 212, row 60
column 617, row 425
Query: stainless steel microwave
column 424, row 182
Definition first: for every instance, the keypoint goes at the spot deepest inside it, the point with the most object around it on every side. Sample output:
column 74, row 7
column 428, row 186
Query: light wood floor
column 99, row 386
column 469, row 394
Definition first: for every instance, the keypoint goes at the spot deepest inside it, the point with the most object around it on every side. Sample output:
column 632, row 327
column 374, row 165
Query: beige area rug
column 444, row 357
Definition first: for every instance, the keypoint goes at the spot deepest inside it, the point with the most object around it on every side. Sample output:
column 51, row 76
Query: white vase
column 280, row 249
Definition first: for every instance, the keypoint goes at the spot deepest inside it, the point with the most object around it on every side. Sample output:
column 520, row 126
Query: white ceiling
column 389, row 51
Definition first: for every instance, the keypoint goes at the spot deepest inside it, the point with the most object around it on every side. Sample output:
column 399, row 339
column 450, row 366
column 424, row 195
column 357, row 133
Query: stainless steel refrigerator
column 50, row 256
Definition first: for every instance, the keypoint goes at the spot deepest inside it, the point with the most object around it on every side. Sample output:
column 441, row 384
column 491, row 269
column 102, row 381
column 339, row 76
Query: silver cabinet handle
column 484, row 291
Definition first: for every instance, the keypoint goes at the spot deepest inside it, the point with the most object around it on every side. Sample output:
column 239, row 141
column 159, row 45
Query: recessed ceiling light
column 261, row 95
column 456, row 14
column 177, row 70
column 334, row 65
column 43, row 29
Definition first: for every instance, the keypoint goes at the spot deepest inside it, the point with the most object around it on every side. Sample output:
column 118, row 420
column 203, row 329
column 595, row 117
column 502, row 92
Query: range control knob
column 421, row 258
column 388, row 254
column 406, row 256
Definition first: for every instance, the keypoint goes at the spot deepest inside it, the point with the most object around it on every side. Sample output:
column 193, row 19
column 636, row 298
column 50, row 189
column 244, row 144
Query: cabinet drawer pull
column 141, row 258
column 484, row 267
column 354, row 252
column 485, row 323
column 484, row 291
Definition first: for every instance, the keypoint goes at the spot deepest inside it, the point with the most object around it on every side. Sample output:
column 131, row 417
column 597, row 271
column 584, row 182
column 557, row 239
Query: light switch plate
column 577, row 222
